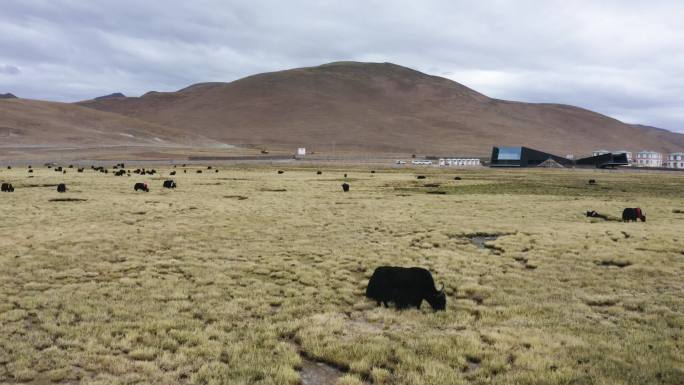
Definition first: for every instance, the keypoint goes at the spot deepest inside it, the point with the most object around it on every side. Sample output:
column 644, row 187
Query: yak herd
column 405, row 287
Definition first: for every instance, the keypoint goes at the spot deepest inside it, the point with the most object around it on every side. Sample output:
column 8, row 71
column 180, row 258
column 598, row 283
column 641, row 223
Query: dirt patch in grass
column 238, row 197
column 621, row 263
column 480, row 239
column 39, row 185
column 318, row 373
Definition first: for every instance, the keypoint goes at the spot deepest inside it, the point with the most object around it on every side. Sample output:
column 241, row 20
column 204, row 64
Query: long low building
column 459, row 162
column 524, row 157
column 527, row 157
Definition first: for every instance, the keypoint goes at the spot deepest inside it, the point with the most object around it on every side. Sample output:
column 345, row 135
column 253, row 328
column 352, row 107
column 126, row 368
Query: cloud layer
column 623, row 58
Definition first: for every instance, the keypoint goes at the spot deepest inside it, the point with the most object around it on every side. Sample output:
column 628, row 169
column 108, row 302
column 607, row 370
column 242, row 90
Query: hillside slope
column 33, row 123
column 378, row 107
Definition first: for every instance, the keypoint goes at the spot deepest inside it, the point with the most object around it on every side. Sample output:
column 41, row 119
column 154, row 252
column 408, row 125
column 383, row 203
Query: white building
column 459, row 162
column 675, row 160
column 649, row 159
column 421, row 162
column 301, row 151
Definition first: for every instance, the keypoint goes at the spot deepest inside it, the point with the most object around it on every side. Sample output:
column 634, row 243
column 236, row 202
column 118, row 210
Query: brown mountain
column 374, row 107
column 33, row 124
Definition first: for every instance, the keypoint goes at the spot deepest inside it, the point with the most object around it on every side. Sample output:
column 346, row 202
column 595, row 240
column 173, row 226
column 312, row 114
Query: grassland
column 240, row 276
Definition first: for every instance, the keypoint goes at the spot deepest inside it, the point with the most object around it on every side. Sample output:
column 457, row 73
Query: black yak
column 457, row 178
column 169, row 183
column 345, row 187
column 405, row 287
column 421, row 177
column 7, row 187
column 61, row 188
column 141, row 186
column 280, row 171
column 592, row 181
column 319, row 172
column 632, row 214
column 172, row 173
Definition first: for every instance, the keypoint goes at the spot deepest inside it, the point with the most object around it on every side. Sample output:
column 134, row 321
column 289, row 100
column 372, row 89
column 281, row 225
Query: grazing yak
column 280, row 171
column 30, row 171
column 141, row 186
column 172, row 173
column 632, row 214
column 120, row 173
column 345, row 187
column 7, row 187
column 61, row 188
column 319, row 172
column 421, row 177
column 457, row 178
column 405, row 287
column 169, row 183
column 80, row 170
column 592, row 181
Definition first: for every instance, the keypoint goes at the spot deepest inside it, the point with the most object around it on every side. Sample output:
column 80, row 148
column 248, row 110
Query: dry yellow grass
column 202, row 286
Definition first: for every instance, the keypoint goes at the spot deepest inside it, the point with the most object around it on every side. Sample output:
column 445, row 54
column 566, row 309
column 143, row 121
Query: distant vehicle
column 421, row 162
column 400, row 162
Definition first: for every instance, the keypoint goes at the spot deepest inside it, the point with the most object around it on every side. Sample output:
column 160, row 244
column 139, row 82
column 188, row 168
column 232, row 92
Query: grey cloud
column 619, row 57
column 9, row 69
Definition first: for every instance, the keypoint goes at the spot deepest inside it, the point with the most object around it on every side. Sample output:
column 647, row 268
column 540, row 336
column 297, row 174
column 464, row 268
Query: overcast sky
column 623, row 58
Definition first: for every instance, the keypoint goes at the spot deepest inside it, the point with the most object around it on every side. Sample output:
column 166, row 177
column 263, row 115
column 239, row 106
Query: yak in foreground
column 405, row 287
